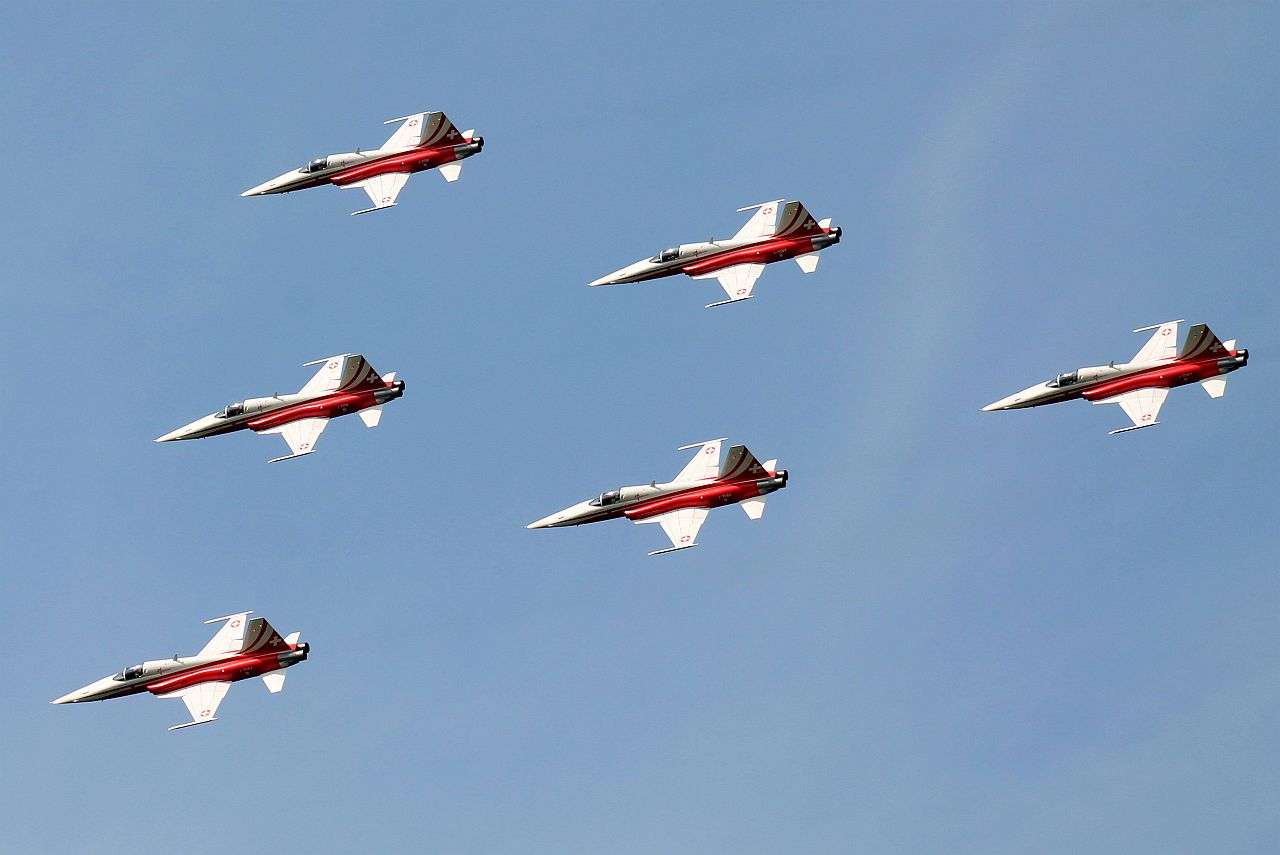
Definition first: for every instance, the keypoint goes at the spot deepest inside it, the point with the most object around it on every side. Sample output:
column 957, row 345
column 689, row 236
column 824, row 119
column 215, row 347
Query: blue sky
column 954, row 631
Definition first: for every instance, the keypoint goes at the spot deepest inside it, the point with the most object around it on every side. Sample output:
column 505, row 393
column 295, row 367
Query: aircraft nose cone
column 69, row 698
column 991, row 407
column 603, row 280
column 546, row 522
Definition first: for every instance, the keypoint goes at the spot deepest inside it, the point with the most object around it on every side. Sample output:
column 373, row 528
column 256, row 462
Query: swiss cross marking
column 685, row 539
column 305, row 446
column 413, row 123
column 235, row 623
column 204, row 713
column 333, row 365
column 710, row 449
column 1165, row 331
column 1146, row 417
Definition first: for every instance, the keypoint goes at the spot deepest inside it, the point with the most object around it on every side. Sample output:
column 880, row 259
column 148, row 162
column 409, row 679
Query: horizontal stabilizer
column 389, row 377
column 292, row 639
column 754, row 507
column 371, row 416
column 451, row 171
column 808, row 262
column 274, row 681
column 1215, row 386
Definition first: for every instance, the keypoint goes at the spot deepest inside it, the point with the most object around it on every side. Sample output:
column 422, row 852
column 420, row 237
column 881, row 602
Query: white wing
column 754, row 507
column 681, row 527
column 371, row 416
column 382, row 189
column 451, row 171
column 1163, row 344
column 1140, row 405
column 230, row 636
column 762, row 222
column 737, row 281
column 275, row 680
column 202, row 701
column 301, row 436
column 705, row 464
column 409, row 134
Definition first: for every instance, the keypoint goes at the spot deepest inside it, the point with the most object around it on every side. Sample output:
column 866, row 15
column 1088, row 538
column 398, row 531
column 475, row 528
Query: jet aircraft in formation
column 344, row 384
column 681, row 506
column 1141, row 385
column 423, row 141
column 241, row 649
column 775, row 232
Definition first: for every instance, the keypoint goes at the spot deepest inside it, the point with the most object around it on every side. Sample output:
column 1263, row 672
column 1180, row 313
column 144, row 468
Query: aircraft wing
column 202, row 701
column 681, row 527
column 230, row 636
column 737, row 281
column 1140, row 405
column 382, row 189
column 1163, row 343
column 762, row 222
column 301, row 436
column 705, row 465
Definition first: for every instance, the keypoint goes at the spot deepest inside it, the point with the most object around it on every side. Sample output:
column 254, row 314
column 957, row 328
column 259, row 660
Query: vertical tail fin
column 262, row 636
column 340, row 373
column 740, row 463
column 1201, row 342
column 795, row 221
column 421, row 130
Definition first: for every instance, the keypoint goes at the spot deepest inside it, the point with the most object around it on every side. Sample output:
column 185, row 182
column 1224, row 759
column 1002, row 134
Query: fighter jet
column 738, row 262
column 344, row 384
column 682, row 505
column 241, row 649
column 1141, row 385
column 424, row 141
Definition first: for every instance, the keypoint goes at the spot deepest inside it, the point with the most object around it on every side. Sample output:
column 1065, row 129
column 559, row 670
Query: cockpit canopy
column 231, row 410
column 133, row 672
column 667, row 255
column 316, row 165
column 609, row 498
column 1061, row 380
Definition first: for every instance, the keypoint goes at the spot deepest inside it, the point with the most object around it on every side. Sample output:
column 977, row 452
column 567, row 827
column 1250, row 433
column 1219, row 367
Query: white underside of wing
column 302, row 434
column 1142, row 406
column 382, row 189
column 275, row 680
column 680, row 526
column 754, row 507
column 371, row 416
column 737, row 281
column 451, row 171
column 202, row 701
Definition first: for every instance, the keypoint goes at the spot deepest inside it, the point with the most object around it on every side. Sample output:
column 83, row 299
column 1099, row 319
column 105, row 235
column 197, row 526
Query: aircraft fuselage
column 1106, row 381
column 163, row 676
column 651, row 500
column 697, row 259
column 350, row 167
column 260, row 414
